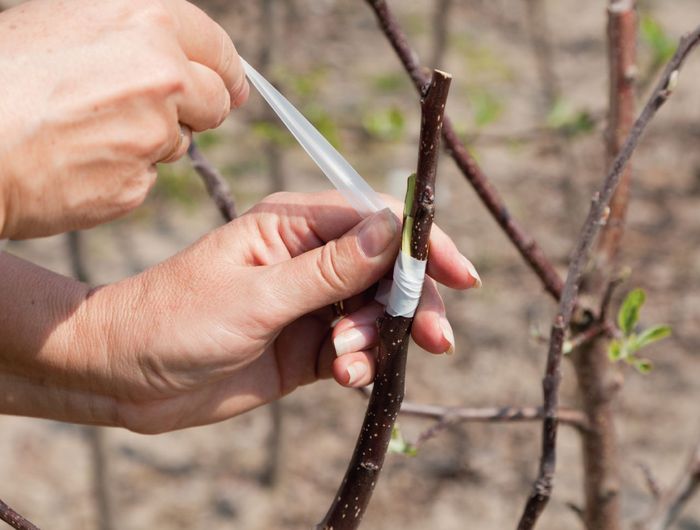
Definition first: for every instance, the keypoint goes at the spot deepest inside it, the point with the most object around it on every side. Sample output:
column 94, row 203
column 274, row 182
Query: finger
column 205, row 103
column 447, row 265
column 431, row 329
column 176, row 146
column 205, row 42
column 335, row 271
column 326, row 215
column 357, row 331
column 355, row 369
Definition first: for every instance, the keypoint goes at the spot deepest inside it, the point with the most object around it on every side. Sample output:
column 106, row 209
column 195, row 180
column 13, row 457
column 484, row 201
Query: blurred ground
column 332, row 61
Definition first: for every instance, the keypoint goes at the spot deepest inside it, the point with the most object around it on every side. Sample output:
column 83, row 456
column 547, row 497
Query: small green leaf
column 567, row 347
column 653, row 334
column 387, row 124
column 628, row 316
column 615, row 351
column 569, row 120
column 487, row 108
column 643, row 366
column 663, row 47
column 400, row 446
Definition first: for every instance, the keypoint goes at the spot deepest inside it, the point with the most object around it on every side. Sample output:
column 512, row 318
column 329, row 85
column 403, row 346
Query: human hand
column 93, row 95
column 242, row 317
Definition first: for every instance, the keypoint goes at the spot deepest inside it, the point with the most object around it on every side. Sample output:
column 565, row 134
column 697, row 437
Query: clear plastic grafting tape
column 342, row 175
column 403, row 296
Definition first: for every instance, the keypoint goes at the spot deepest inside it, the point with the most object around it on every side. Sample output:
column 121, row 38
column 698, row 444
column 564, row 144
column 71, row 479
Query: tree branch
column 543, row 485
column 526, row 244
column 216, row 185
column 355, row 491
column 14, row 519
column 670, row 504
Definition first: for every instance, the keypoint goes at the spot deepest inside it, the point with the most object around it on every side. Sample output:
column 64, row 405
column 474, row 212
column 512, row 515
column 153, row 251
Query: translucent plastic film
column 342, row 175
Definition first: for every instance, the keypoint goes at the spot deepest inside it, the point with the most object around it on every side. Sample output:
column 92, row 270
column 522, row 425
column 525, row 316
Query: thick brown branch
column 216, row 185
column 526, row 245
column 543, row 485
column 622, row 36
column 354, row 494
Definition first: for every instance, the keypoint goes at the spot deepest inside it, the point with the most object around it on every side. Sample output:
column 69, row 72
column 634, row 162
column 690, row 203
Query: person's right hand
column 92, row 97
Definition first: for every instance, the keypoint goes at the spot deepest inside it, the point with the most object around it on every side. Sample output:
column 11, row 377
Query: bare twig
column 14, row 519
column 671, row 503
column 354, row 494
column 543, row 485
column 650, row 480
column 607, row 297
column 216, row 185
column 540, row 36
column 93, row 434
column 526, row 244
column 441, row 31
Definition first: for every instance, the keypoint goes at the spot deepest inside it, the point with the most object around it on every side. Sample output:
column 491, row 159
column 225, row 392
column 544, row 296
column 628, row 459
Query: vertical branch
column 441, row 31
column 622, row 43
column 540, row 37
column 597, row 379
column 525, row 244
column 93, row 434
column 355, row 491
column 542, row 488
column 268, row 45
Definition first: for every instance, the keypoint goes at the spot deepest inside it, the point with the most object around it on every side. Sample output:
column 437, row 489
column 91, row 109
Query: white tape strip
column 409, row 274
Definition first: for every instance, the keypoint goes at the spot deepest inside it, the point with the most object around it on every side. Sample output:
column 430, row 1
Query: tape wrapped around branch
column 402, row 296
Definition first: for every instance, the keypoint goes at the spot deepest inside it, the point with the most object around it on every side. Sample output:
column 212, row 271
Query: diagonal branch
column 543, row 485
column 526, row 244
column 14, row 519
column 671, row 503
column 355, row 491
column 216, row 185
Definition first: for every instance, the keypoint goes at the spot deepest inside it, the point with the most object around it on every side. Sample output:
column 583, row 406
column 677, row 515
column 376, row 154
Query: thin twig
column 216, row 186
column 14, row 519
column 524, row 242
column 543, row 485
column 355, row 491
column 671, row 503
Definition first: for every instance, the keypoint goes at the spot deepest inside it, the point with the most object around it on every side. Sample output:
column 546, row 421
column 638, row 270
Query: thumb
column 339, row 269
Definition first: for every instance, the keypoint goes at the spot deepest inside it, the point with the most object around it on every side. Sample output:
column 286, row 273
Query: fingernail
column 448, row 334
column 352, row 340
column 356, row 371
column 472, row 272
column 377, row 233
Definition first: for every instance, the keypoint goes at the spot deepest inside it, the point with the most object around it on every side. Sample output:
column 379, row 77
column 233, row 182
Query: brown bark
column 596, row 376
column 598, row 386
column 356, row 489
column 622, row 39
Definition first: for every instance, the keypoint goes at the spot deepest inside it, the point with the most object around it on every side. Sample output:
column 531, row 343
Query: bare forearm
column 51, row 358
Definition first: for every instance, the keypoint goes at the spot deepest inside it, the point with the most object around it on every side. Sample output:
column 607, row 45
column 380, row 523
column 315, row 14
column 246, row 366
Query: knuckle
column 330, row 268
column 135, row 191
column 154, row 13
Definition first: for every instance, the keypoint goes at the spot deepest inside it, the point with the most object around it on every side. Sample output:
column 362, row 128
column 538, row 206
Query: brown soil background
column 470, row 476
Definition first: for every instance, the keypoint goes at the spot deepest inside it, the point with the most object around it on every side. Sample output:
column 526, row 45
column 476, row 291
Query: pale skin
column 237, row 320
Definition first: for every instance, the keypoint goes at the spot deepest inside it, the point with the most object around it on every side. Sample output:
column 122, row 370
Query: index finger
column 205, row 42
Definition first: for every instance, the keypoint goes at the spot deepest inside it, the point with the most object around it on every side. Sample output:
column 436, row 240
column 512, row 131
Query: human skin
column 92, row 96
column 240, row 318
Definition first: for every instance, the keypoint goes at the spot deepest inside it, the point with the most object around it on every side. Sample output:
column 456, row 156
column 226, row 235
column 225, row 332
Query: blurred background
column 530, row 98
